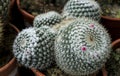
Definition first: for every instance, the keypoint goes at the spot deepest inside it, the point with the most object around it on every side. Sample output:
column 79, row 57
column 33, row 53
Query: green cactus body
column 33, row 47
column 1, row 32
column 4, row 9
column 48, row 19
column 82, row 47
column 82, row 8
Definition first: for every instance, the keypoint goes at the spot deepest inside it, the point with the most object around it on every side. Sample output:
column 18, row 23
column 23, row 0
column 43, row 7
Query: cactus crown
column 82, row 8
column 82, row 47
column 33, row 47
column 48, row 19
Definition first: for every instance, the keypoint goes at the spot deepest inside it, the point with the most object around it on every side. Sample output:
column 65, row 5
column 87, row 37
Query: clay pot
column 37, row 73
column 115, row 44
column 104, row 72
column 10, row 69
column 112, row 25
column 25, row 14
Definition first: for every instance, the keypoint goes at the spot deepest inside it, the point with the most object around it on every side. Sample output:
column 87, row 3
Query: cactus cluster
column 80, row 8
column 82, row 47
column 48, row 19
column 33, row 47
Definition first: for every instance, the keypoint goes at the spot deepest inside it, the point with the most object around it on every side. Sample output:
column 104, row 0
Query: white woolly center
column 23, row 43
column 90, row 40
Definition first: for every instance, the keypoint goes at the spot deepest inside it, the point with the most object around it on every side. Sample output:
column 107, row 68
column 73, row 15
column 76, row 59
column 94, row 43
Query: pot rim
column 37, row 73
column 115, row 42
column 12, row 63
column 110, row 18
column 104, row 71
column 29, row 17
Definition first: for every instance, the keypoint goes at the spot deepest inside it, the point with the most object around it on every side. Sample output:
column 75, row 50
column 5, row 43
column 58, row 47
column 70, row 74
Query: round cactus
column 80, row 8
column 48, row 19
column 33, row 47
column 82, row 47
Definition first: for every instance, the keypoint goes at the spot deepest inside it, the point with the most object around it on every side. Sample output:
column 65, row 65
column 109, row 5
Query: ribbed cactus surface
column 82, row 8
column 82, row 47
column 33, row 47
column 48, row 19
column 4, row 8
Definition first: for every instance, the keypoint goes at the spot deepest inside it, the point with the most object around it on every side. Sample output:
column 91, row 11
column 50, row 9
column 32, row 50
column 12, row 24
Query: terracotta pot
column 37, row 73
column 115, row 44
column 104, row 72
column 112, row 25
column 10, row 69
column 25, row 14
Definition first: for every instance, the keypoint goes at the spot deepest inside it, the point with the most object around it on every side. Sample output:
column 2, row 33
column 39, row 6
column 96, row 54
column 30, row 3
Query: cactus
column 80, row 8
column 113, row 63
column 49, row 19
column 34, row 48
column 1, row 32
column 4, row 9
column 82, row 47
column 110, row 8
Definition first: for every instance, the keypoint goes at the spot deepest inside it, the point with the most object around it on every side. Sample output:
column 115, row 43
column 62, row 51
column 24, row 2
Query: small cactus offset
column 80, row 8
column 34, row 48
column 48, row 19
column 82, row 47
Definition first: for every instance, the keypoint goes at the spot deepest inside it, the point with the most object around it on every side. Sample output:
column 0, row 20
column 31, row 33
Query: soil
column 39, row 6
column 9, row 35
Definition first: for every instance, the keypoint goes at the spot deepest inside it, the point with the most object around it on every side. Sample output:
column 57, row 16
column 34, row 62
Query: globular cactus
column 80, row 8
column 34, row 48
column 48, row 19
column 82, row 47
